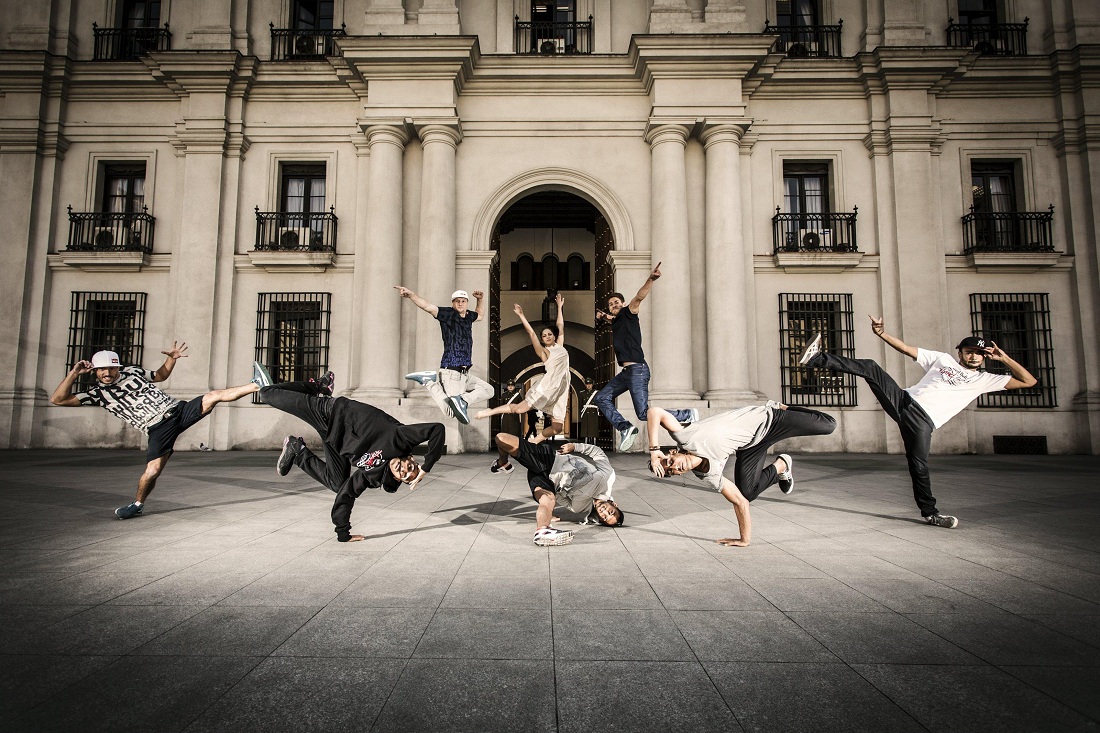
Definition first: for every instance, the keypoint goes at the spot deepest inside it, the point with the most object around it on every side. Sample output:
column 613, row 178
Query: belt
column 460, row 370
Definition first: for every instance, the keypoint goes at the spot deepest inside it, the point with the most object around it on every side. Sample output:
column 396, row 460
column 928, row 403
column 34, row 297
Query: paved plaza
column 230, row 606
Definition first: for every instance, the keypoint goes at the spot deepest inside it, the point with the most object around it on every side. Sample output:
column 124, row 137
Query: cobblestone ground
column 230, row 606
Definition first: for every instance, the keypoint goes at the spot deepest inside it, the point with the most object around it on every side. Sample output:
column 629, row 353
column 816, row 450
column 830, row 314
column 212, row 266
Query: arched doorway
column 551, row 241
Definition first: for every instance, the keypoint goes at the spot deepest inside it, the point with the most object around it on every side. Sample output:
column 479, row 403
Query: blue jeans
column 635, row 379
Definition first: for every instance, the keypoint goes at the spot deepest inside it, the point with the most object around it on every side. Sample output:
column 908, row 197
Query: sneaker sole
column 810, row 351
column 286, row 456
column 555, row 542
column 627, row 442
column 790, row 464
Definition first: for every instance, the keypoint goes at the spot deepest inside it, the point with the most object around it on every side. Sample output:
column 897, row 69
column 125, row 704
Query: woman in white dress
column 551, row 394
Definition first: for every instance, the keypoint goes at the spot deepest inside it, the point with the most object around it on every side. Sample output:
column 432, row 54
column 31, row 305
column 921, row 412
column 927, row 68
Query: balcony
column 815, row 242
column 1020, row 241
column 108, row 232
column 297, row 44
column 990, row 39
column 129, row 44
column 294, row 241
column 553, row 38
column 807, row 41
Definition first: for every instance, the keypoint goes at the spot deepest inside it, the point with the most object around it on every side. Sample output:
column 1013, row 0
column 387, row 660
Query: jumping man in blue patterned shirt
column 453, row 387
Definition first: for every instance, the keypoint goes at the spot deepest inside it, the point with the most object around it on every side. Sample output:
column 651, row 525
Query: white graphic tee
column 948, row 386
column 133, row 398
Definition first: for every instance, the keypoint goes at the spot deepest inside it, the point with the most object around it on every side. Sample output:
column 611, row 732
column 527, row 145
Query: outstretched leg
column 892, row 397
column 300, row 399
column 230, row 394
column 753, row 471
column 511, row 408
column 605, row 399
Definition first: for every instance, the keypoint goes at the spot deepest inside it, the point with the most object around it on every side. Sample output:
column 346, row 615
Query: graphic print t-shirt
column 133, row 398
column 948, row 386
column 458, row 337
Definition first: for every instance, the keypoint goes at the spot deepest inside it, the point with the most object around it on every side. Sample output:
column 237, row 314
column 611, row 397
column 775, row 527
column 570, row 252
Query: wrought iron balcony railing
column 1008, row 231
column 109, row 232
column 549, row 39
column 297, row 44
column 296, row 232
column 128, row 44
column 814, row 232
column 989, row 39
column 807, row 41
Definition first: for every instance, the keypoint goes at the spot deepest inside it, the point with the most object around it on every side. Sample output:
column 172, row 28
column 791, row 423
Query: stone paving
column 230, row 606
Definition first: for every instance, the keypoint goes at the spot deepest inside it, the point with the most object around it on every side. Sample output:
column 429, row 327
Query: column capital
column 723, row 131
column 447, row 131
column 392, row 133
column 661, row 131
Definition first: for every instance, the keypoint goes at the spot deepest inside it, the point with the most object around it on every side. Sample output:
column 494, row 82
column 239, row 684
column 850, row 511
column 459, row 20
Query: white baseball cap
column 101, row 359
column 460, row 294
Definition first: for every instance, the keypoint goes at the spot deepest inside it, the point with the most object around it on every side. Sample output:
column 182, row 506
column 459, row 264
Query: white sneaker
column 693, row 417
column 786, row 478
column 626, row 438
column 549, row 537
column 812, row 349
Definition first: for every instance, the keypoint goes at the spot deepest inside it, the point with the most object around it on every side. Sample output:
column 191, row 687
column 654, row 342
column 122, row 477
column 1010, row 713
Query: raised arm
column 741, row 511
column 561, row 319
column 896, row 343
column 63, row 396
column 176, row 352
column 659, row 417
column 1021, row 377
column 479, row 296
column 539, row 350
column 636, row 304
column 432, row 310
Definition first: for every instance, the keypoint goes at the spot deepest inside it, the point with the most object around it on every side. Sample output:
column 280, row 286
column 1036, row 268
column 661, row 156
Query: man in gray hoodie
column 576, row 477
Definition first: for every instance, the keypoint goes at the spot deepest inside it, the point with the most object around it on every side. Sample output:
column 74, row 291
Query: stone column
column 669, row 354
column 728, row 270
column 378, row 267
column 435, row 279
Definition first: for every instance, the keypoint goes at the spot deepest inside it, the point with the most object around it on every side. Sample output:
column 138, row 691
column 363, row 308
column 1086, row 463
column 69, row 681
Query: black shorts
column 538, row 459
column 162, row 436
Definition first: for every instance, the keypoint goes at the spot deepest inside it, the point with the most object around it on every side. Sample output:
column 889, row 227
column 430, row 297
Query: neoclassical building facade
column 254, row 177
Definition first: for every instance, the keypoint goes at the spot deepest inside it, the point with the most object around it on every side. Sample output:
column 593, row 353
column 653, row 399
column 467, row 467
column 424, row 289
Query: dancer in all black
column 748, row 432
column 634, row 377
column 364, row 447
column 127, row 392
column 948, row 386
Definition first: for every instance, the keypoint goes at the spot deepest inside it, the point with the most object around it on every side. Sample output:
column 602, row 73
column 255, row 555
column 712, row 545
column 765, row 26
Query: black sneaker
column 812, row 349
column 786, row 478
column 291, row 446
column 497, row 468
column 943, row 520
column 129, row 511
column 325, row 383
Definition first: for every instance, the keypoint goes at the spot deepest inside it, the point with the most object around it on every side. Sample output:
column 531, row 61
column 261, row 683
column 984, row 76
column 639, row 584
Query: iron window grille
column 801, row 315
column 105, row 321
column 989, row 39
column 302, row 44
column 292, row 335
column 111, row 232
column 834, row 232
column 1019, row 323
column 553, row 29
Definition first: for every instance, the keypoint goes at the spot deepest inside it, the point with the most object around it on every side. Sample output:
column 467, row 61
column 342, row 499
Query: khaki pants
column 451, row 383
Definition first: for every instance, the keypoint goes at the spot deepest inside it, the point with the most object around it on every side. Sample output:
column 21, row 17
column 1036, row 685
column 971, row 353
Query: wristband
column 654, row 447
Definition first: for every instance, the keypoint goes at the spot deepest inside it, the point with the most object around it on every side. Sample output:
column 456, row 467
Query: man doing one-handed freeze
column 748, row 432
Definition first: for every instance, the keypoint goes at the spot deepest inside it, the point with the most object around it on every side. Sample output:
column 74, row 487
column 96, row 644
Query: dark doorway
column 550, row 242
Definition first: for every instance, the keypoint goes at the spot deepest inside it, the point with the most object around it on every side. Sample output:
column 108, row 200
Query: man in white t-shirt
column 948, row 386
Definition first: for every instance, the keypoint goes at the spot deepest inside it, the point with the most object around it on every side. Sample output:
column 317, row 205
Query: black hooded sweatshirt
column 369, row 438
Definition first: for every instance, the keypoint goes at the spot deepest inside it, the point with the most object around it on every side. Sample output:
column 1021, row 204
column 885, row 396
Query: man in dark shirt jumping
column 364, row 447
column 634, row 376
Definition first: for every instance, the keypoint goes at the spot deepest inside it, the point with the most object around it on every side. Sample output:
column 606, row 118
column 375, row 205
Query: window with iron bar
column 801, row 315
column 105, row 322
column 1019, row 323
column 292, row 335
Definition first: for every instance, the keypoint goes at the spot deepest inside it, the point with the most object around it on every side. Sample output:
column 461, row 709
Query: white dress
column 551, row 394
